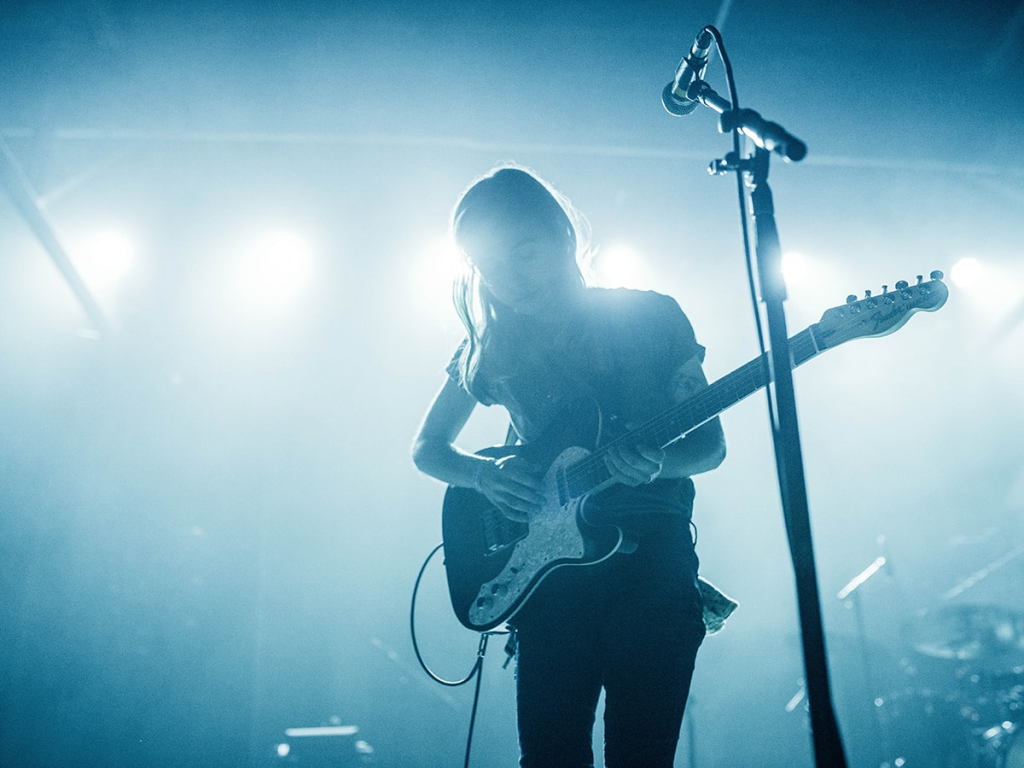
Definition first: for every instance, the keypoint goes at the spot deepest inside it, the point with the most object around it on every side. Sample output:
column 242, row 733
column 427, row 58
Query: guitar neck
column 721, row 395
column 591, row 474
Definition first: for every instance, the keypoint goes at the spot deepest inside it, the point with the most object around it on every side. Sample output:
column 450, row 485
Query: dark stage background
column 209, row 522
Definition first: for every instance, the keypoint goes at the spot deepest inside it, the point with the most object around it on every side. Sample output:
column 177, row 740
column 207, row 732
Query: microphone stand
column 770, row 137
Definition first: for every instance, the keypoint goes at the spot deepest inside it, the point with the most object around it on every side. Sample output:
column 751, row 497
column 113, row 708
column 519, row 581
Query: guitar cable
column 476, row 671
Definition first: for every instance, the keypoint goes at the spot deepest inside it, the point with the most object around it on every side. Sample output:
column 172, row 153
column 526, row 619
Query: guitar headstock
column 881, row 314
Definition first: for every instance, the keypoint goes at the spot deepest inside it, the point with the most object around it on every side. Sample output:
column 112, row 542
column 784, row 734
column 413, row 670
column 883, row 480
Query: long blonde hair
column 505, row 191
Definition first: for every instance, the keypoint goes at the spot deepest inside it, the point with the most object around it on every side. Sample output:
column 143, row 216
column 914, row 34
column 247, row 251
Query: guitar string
column 590, row 468
column 591, row 471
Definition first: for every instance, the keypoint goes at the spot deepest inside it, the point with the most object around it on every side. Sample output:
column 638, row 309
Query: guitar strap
column 510, row 436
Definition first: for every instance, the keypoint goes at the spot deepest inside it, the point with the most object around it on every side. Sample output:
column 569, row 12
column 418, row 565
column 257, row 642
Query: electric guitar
column 493, row 564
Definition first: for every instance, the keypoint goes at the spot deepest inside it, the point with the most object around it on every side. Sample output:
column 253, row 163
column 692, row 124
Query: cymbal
column 969, row 633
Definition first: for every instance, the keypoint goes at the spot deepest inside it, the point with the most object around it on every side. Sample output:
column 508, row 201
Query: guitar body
column 493, row 564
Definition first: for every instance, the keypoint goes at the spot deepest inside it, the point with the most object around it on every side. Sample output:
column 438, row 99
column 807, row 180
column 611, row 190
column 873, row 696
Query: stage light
column 443, row 262
column 103, row 259
column 966, row 273
column 813, row 283
column 620, row 267
column 275, row 269
column 796, row 269
column 430, row 275
column 994, row 286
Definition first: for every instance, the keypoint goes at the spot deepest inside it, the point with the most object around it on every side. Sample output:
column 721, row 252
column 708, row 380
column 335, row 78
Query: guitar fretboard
column 591, row 473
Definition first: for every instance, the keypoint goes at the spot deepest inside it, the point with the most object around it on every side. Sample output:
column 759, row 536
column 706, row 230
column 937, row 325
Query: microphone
column 690, row 70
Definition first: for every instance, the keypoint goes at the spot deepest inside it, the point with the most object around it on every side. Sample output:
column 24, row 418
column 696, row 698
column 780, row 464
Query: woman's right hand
column 513, row 485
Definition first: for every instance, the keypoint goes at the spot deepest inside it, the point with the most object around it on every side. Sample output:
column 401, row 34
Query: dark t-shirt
column 620, row 350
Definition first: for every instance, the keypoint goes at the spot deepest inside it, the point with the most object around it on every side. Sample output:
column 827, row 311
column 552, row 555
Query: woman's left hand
column 634, row 464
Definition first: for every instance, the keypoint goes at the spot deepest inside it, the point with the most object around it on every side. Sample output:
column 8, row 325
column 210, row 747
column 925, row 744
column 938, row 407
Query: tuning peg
column 885, row 289
column 867, row 294
column 851, row 299
column 920, row 279
column 936, row 274
column 902, row 285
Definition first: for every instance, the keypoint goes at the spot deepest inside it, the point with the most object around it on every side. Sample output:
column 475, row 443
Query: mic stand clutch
column 770, row 137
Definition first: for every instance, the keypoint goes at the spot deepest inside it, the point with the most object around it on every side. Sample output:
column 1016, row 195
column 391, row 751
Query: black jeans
column 631, row 625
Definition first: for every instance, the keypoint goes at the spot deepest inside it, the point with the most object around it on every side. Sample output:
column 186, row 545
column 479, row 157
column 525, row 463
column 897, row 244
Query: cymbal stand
column 851, row 594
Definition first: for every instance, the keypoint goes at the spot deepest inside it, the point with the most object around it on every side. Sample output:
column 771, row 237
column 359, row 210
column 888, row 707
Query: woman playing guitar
column 539, row 342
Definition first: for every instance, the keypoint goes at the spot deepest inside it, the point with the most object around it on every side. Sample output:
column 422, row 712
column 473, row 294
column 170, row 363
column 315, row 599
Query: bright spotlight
column 796, row 269
column 441, row 264
column 966, row 273
column 104, row 258
column 429, row 277
column 276, row 269
column 620, row 267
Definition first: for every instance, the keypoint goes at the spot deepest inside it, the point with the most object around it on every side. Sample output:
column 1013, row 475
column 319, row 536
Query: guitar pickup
column 499, row 532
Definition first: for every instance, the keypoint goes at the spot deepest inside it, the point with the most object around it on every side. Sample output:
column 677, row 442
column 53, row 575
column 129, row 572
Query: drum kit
column 962, row 701
column 955, row 682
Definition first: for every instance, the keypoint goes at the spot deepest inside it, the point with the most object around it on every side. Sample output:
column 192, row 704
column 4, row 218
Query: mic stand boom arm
column 765, row 135
column 770, row 137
